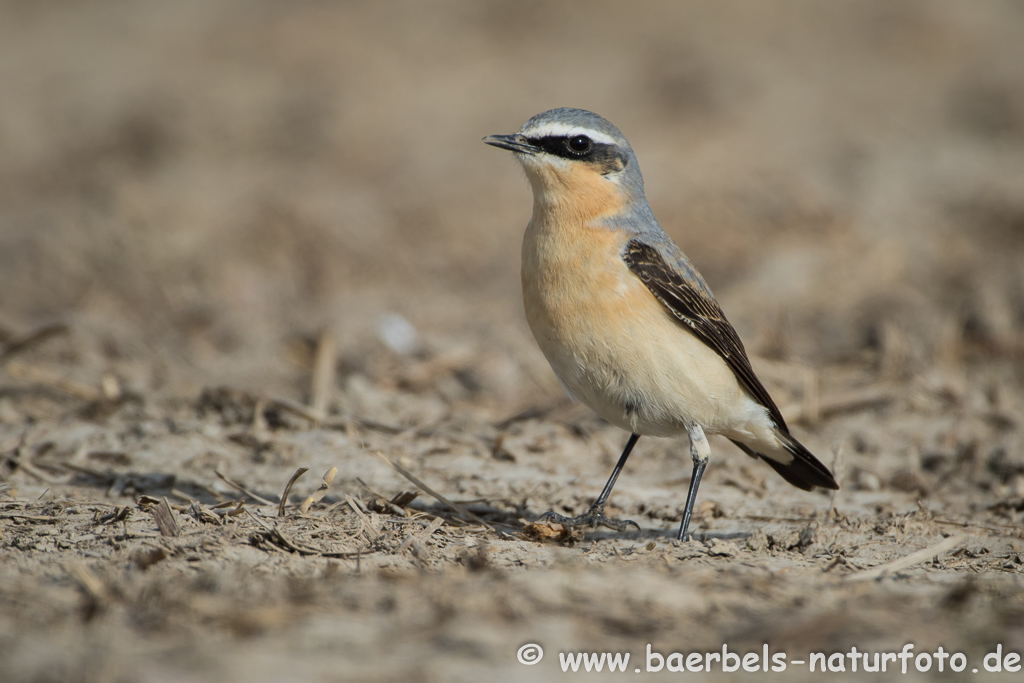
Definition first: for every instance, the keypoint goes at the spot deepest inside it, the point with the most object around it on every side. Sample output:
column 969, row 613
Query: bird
column 624, row 318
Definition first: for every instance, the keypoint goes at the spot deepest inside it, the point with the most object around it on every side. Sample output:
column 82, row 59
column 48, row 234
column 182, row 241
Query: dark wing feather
column 701, row 314
column 694, row 307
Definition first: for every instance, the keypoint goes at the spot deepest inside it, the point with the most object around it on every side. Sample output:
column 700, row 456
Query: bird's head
column 576, row 159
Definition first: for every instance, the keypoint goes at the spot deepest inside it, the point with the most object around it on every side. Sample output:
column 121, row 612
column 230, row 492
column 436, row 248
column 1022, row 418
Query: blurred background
column 197, row 187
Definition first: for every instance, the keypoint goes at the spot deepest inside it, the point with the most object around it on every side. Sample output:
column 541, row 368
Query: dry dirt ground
column 242, row 238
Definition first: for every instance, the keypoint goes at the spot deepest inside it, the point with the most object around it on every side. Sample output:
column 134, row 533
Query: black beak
column 514, row 143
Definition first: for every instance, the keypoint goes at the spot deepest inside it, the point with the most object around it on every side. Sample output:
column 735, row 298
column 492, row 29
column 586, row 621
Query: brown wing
column 701, row 314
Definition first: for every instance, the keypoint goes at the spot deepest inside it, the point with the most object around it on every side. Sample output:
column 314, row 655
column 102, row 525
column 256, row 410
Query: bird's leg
column 700, row 451
column 594, row 517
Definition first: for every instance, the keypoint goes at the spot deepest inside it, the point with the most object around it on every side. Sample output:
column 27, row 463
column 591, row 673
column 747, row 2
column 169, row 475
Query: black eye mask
column 581, row 148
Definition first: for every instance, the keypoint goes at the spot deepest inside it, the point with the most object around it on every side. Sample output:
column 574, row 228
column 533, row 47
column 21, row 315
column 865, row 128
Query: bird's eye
column 579, row 144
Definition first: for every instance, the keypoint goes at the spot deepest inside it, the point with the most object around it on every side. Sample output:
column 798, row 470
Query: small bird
column 625, row 320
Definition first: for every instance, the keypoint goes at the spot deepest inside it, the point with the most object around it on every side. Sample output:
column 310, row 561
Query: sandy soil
column 241, row 238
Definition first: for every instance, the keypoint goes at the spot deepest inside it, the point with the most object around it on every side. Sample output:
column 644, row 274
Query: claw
column 594, row 518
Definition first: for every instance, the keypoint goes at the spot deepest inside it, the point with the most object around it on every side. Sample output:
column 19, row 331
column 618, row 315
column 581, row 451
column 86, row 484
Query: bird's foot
column 594, row 517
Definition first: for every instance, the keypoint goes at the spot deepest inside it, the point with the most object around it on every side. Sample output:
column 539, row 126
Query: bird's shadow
column 645, row 534
column 512, row 521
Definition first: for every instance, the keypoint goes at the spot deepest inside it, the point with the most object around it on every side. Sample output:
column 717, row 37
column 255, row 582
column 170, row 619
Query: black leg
column 691, row 496
column 700, row 452
column 607, row 491
column 594, row 517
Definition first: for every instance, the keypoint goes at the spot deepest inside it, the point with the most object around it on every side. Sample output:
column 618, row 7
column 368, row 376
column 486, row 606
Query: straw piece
column 910, row 560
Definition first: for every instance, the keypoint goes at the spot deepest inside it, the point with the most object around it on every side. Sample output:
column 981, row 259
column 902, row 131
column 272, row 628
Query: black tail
column 804, row 472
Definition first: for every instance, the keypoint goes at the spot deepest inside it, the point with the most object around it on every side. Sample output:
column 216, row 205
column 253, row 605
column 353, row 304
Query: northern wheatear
column 625, row 320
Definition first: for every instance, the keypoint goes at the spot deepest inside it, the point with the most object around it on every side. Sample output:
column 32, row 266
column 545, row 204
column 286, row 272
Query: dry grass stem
column 910, row 560
column 295, row 408
column 31, row 340
column 323, row 375
column 166, row 522
column 90, row 583
column 846, row 402
column 325, row 485
column 455, row 507
column 53, row 381
column 287, row 490
column 238, row 487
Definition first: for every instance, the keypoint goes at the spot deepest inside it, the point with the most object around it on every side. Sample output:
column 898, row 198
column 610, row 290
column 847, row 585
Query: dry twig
column 455, row 507
column 36, row 519
column 93, row 587
column 165, row 520
column 278, row 538
column 317, row 495
column 295, row 408
column 32, row 339
column 323, row 375
column 910, row 560
column 238, row 487
column 53, row 380
column 840, row 403
column 288, row 489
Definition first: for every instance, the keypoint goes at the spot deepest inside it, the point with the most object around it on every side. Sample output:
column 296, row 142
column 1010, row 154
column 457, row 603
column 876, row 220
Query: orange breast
column 580, row 297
